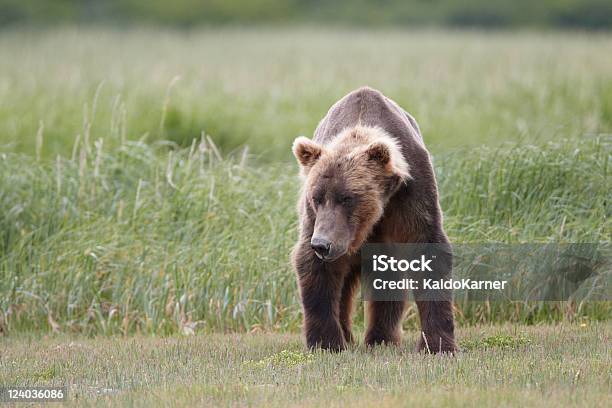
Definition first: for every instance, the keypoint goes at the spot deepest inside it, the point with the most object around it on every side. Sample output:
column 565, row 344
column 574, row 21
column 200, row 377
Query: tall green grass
column 146, row 239
column 117, row 215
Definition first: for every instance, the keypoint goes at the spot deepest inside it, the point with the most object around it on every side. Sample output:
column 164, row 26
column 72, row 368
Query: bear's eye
column 347, row 200
column 317, row 200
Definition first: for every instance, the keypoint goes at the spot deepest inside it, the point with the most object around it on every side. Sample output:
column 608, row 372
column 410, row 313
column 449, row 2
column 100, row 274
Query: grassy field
column 108, row 225
column 562, row 365
column 263, row 87
column 133, row 240
column 147, row 210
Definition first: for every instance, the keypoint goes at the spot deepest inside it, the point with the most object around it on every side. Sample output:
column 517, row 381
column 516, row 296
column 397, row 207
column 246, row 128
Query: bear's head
column 347, row 184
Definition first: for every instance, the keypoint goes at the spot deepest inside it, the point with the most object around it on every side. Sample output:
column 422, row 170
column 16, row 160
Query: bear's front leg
column 437, row 327
column 436, row 312
column 320, row 289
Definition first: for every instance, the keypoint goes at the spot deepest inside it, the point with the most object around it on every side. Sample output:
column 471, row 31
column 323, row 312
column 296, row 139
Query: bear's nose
column 321, row 246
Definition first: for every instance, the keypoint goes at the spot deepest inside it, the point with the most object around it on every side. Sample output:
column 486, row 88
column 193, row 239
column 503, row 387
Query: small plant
column 498, row 341
column 46, row 374
column 284, row 358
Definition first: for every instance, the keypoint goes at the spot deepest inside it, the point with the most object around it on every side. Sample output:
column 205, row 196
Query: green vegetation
column 147, row 209
column 285, row 358
column 263, row 87
column 139, row 238
column 498, row 341
column 561, row 365
column 129, row 202
column 591, row 14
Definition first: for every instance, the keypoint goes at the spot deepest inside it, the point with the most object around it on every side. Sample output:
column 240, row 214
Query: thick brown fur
column 368, row 178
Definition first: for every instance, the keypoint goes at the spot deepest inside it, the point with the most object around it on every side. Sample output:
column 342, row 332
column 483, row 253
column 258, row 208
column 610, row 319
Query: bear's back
column 368, row 107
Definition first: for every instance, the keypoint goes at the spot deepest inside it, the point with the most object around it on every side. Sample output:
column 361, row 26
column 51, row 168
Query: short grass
column 508, row 365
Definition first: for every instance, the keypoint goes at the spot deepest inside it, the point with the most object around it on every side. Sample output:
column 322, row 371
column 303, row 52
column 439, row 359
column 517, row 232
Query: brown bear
column 367, row 178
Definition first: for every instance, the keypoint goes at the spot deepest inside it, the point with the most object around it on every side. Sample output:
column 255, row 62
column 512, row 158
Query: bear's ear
column 388, row 155
column 379, row 152
column 306, row 152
